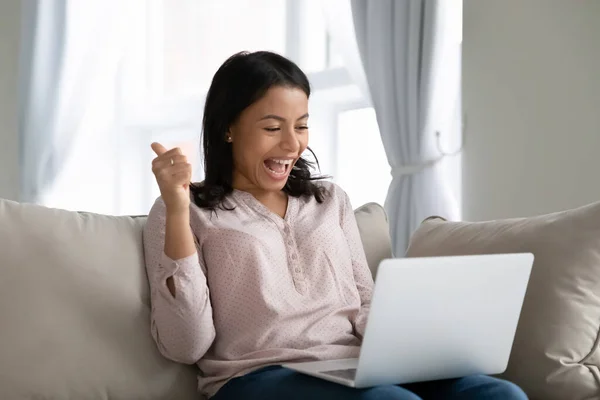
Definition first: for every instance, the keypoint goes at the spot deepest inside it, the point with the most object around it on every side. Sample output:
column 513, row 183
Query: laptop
column 435, row 318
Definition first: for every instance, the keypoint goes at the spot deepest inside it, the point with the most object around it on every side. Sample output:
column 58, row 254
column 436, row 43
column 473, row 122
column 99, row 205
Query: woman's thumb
column 158, row 148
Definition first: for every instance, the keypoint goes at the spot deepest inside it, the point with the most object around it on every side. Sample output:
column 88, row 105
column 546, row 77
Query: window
column 150, row 80
column 192, row 38
column 175, row 49
column 149, row 84
column 362, row 166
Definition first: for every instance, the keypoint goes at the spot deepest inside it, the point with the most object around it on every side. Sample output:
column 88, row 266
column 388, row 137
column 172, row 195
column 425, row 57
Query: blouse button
column 294, row 256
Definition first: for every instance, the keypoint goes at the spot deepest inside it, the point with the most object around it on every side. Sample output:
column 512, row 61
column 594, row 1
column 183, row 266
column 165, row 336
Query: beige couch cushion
column 74, row 306
column 555, row 354
column 74, row 310
column 374, row 232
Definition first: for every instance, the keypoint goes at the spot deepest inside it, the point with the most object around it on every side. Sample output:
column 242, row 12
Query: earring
column 228, row 139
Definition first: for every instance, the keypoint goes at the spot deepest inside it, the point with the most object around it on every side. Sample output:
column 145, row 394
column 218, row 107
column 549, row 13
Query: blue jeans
column 277, row 383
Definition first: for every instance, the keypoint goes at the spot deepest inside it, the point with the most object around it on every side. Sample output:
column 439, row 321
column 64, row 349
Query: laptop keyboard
column 349, row 374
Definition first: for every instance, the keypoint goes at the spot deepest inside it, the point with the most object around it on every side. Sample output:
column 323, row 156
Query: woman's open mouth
column 278, row 168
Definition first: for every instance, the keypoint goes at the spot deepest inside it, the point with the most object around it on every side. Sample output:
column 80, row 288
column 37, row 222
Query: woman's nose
column 289, row 141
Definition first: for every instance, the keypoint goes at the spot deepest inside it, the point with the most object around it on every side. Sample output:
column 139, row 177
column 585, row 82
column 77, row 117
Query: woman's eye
column 271, row 129
column 302, row 128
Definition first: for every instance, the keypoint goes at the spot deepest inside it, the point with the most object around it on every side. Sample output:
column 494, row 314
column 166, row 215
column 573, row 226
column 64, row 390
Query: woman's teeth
column 285, row 162
column 278, row 166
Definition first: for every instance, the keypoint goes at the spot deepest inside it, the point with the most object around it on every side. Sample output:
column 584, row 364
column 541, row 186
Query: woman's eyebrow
column 273, row 116
column 278, row 118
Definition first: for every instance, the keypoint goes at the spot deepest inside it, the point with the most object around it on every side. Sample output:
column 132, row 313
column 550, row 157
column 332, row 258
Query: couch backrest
column 74, row 306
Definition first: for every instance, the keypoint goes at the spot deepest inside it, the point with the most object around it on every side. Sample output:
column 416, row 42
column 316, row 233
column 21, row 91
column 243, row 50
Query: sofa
column 75, row 306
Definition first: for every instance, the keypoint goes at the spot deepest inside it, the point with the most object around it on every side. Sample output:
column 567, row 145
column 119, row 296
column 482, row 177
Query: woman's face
column 268, row 138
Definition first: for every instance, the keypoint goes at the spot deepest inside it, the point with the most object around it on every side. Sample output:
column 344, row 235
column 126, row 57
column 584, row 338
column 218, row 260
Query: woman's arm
column 362, row 274
column 181, row 316
column 179, row 241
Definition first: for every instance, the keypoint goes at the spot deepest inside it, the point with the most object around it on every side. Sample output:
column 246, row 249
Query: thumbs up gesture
column 173, row 174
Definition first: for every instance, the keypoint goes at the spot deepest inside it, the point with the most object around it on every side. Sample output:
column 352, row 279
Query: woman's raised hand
column 173, row 174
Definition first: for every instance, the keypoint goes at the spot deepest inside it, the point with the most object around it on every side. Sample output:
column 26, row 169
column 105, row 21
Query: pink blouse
column 261, row 290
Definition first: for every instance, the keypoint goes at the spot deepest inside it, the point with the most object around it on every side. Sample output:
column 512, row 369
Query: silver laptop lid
column 443, row 317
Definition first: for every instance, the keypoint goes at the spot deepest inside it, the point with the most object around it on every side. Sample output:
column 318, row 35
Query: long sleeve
column 182, row 326
column 362, row 274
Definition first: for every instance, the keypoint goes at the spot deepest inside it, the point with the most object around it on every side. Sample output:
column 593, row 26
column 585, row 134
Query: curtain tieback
column 413, row 169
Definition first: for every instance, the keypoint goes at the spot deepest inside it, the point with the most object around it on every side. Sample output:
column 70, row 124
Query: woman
column 262, row 263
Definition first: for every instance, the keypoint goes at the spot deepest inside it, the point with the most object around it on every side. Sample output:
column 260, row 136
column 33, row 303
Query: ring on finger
column 172, row 162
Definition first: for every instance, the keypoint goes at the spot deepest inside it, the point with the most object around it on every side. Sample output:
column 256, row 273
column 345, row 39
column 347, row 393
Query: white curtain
column 41, row 67
column 400, row 48
column 70, row 53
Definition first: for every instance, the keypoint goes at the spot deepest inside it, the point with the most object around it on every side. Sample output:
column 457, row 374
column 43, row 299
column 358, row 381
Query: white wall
column 531, row 87
column 10, row 15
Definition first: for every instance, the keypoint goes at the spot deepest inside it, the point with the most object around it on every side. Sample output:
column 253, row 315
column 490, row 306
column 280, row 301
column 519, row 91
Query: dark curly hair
column 242, row 80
